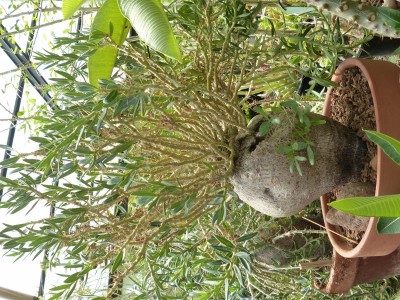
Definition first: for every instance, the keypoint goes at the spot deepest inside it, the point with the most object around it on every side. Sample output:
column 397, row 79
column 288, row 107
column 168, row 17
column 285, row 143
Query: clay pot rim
column 339, row 244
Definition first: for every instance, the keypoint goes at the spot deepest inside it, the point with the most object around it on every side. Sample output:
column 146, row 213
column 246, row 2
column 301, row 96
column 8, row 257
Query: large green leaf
column 389, row 145
column 389, row 225
column 101, row 64
column 152, row 26
column 379, row 206
column 110, row 21
column 70, row 6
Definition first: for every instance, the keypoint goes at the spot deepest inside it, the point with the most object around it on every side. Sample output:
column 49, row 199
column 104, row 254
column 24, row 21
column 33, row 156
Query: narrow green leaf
column 223, row 258
column 216, row 217
column 221, row 248
column 298, row 168
column 8, row 182
column 299, row 146
column 238, row 274
column 5, row 147
column 264, row 128
column 246, row 264
column 389, row 145
column 246, row 237
column 224, row 241
column 143, row 193
column 300, row 158
column 284, row 149
column 243, row 255
column 142, row 201
column 60, row 287
column 379, row 206
column 260, row 111
column 117, row 261
column 74, row 277
column 10, row 161
column 151, row 24
column 70, row 6
column 310, row 155
column 216, row 263
column 56, row 296
column 38, row 139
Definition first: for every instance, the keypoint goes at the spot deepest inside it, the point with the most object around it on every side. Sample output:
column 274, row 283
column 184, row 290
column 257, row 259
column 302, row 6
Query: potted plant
column 376, row 256
column 132, row 167
column 386, row 107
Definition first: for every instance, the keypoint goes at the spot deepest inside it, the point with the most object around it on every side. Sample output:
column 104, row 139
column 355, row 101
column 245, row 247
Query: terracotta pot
column 383, row 80
column 348, row 272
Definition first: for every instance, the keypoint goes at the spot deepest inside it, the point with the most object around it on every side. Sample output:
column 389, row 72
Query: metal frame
column 21, row 59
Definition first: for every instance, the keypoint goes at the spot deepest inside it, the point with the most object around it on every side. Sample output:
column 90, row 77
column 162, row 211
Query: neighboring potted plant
column 383, row 81
column 377, row 255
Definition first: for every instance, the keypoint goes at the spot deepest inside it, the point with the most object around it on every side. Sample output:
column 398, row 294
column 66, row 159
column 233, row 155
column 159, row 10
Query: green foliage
column 297, row 48
column 378, row 206
column 154, row 145
column 389, row 225
column 301, row 145
column 387, row 206
column 152, row 25
column 388, row 144
column 300, row 150
column 137, row 167
column 113, row 28
column 70, row 6
column 147, row 17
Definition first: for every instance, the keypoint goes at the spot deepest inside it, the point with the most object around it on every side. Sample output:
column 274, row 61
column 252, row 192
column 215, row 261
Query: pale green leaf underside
column 70, row 6
column 152, row 25
column 389, row 225
column 111, row 22
column 101, row 64
column 379, row 206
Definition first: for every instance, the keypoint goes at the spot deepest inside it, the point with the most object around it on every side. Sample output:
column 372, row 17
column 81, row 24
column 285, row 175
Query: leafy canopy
column 112, row 20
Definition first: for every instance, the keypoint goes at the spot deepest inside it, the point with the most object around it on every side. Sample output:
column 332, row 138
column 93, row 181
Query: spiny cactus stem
column 358, row 12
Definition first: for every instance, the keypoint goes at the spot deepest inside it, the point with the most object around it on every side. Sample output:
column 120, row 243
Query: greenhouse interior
column 199, row 149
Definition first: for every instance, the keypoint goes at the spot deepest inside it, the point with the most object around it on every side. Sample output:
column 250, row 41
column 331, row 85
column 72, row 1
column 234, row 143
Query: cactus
column 365, row 15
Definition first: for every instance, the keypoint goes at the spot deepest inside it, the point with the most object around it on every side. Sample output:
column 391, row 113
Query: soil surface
column 352, row 105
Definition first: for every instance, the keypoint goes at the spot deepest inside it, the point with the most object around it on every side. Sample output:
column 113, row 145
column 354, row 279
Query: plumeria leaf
column 379, row 206
column 152, row 26
column 109, row 21
column 70, row 6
